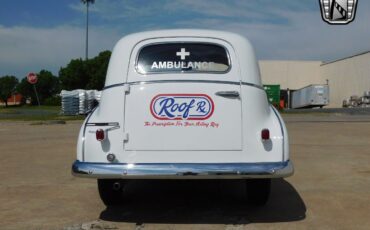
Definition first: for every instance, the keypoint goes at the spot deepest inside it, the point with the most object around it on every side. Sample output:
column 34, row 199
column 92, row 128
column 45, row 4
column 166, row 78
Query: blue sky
column 46, row 34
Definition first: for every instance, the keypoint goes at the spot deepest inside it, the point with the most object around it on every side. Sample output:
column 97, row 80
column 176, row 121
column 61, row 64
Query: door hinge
column 125, row 137
column 126, row 88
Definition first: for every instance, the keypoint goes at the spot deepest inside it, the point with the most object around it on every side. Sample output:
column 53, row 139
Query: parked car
column 183, row 104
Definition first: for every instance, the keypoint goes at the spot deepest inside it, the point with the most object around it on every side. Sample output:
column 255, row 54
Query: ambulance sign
column 182, row 58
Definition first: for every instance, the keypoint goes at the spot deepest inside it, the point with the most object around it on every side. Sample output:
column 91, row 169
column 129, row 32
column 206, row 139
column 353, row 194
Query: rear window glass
column 182, row 57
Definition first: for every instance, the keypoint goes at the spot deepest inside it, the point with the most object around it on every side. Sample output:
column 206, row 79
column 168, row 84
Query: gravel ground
column 330, row 188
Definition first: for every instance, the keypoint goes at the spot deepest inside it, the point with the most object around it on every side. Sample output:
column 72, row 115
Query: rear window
column 182, row 57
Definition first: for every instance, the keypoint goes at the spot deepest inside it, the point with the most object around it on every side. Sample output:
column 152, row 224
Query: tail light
column 100, row 135
column 265, row 134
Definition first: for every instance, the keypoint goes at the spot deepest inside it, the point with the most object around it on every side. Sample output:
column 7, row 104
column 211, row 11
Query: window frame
column 182, row 71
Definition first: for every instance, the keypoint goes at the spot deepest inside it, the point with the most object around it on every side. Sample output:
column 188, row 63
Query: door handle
column 228, row 94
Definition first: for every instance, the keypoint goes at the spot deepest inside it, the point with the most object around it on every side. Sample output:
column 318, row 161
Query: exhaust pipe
column 117, row 186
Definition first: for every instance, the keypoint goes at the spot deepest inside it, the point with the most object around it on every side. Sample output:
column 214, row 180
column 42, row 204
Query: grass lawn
column 34, row 113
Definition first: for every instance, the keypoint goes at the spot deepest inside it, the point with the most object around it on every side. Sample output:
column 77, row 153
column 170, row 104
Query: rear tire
column 258, row 191
column 111, row 191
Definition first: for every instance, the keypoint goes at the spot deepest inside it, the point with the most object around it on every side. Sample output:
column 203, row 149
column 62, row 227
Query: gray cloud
column 25, row 49
column 305, row 37
column 278, row 29
column 283, row 29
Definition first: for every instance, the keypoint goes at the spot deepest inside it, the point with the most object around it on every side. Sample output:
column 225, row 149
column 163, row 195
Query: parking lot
column 329, row 190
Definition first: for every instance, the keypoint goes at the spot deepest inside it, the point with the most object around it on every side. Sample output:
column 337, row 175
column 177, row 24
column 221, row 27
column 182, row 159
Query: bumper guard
column 182, row 170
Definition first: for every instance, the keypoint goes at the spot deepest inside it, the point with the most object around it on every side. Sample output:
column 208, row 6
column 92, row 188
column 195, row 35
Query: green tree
column 80, row 74
column 97, row 70
column 47, row 86
column 7, row 87
column 74, row 75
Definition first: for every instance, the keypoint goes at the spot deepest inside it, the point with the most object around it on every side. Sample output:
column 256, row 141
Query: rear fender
column 284, row 133
column 258, row 114
column 107, row 116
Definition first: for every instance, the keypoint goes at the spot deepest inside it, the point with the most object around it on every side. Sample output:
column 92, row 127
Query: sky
column 44, row 34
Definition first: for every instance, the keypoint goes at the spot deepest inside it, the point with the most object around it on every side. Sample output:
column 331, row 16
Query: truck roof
column 118, row 65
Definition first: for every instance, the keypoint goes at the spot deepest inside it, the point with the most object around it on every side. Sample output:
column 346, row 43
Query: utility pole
column 87, row 2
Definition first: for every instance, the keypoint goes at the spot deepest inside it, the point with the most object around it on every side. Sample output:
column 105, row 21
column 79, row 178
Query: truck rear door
column 183, row 96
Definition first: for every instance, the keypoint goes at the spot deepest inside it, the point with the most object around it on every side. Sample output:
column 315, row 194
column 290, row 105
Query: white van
column 183, row 104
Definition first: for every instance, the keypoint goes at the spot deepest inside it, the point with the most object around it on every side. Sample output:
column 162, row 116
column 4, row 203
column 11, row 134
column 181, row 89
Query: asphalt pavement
column 329, row 190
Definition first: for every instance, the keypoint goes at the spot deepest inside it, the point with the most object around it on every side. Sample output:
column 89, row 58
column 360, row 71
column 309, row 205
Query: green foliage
column 7, row 87
column 53, row 101
column 35, row 113
column 90, row 74
column 74, row 75
column 46, row 86
column 78, row 74
column 97, row 70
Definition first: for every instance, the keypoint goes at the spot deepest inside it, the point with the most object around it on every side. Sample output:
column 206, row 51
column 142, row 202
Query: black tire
column 258, row 191
column 111, row 191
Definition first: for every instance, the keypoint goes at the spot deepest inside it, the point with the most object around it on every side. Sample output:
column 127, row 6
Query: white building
column 346, row 77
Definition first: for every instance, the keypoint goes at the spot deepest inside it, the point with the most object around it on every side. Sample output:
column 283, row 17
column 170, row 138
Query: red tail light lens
column 100, row 135
column 265, row 134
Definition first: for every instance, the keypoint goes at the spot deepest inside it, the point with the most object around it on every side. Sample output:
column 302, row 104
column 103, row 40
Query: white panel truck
column 183, row 104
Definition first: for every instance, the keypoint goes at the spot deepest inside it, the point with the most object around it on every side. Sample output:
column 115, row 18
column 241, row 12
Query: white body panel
column 149, row 133
column 230, row 134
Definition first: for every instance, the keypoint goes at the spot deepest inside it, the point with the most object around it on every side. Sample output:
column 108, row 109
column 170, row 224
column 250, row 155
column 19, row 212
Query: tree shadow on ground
column 203, row 202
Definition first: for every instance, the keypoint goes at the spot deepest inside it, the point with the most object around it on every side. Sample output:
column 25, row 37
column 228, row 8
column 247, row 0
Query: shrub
column 53, row 101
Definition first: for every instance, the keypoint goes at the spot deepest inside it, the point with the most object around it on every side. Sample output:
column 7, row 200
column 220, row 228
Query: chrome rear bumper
column 182, row 170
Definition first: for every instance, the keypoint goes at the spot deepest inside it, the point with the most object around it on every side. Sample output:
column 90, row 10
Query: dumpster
column 273, row 94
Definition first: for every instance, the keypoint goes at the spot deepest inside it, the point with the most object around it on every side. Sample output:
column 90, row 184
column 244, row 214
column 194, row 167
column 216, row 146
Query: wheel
column 111, row 191
column 258, row 191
